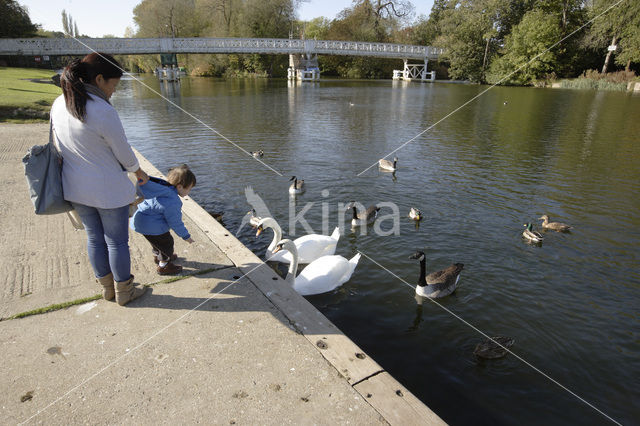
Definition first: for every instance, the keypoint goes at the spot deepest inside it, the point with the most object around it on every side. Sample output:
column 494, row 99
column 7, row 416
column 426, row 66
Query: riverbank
column 26, row 94
column 228, row 342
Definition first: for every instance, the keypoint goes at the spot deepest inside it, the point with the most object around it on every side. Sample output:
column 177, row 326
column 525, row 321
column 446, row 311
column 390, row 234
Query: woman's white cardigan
column 94, row 154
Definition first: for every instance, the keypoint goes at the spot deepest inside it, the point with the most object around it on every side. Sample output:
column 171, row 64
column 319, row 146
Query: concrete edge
column 385, row 394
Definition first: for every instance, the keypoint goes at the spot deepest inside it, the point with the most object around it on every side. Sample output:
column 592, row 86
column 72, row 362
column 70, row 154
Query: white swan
column 388, row 165
column 320, row 276
column 309, row 247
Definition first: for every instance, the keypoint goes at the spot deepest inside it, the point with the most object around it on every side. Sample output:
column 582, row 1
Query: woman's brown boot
column 108, row 290
column 126, row 292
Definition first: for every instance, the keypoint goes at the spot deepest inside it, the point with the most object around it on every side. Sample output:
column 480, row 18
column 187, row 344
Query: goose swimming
column 320, row 276
column 297, row 187
column 309, row 247
column 554, row 226
column 437, row 284
column 363, row 218
column 388, row 165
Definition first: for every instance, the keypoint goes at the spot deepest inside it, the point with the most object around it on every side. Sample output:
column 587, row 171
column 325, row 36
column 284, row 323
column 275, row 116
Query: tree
column 526, row 57
column 15, row 21
column 68, row 25
column 620, row 25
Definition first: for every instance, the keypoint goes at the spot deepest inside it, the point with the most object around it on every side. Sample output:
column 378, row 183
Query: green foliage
column 526, row 56
column 15, row 21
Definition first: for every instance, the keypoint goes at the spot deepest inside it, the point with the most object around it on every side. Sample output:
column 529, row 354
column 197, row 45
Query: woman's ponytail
column 72, row 84
column 85, row 70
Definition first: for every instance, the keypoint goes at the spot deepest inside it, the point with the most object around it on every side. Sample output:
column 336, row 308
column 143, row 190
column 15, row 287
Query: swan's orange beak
column 277, row 249
column 259, row 231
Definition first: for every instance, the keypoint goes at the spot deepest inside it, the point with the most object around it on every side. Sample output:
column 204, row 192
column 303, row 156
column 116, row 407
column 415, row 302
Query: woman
column 96, row 159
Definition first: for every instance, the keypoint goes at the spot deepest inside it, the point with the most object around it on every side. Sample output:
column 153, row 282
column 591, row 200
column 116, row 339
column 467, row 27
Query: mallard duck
column 297, row 187
column 415, row 214
column 554, row 226
column 437, row 284
column 530, row 235
column 363, row 218
column 496, row 347
column 388, row 165
column 320, row 276
column 257, row 154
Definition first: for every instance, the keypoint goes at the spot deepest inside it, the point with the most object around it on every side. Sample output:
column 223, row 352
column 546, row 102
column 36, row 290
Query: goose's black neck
column 423, row 271
column 355, row 212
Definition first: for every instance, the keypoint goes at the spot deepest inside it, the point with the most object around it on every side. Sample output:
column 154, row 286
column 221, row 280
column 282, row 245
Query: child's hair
column 181, row 175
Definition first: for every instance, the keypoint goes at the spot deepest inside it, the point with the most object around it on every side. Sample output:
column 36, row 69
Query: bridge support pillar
column 303, row 67
column 414, row 71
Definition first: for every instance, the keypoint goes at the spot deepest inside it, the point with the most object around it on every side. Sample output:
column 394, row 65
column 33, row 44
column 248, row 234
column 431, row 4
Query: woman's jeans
column 107, row 240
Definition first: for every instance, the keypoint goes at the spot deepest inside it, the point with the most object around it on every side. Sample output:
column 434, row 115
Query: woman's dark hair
column 85, row 70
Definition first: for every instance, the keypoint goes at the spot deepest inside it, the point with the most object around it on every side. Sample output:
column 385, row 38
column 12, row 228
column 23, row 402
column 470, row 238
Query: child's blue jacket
column 161, row 210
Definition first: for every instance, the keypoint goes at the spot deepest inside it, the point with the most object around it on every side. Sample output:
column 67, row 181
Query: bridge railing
column 137, row 46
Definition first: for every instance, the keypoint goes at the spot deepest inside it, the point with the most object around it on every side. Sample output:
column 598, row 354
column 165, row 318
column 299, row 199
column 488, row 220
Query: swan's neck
column 423, row 272
column 277, row 233
column 293, row 266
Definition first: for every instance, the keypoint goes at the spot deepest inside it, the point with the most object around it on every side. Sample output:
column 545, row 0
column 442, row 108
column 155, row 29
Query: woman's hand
column 142, row 176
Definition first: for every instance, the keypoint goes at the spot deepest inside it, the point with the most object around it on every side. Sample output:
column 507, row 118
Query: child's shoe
column 171, row 259
column 169, row 269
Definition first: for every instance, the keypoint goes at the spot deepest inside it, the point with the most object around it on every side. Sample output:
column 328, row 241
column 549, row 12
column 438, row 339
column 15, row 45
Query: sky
column 97, row 18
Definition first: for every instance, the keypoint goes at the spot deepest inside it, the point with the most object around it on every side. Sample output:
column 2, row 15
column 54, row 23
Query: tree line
column 487, row 41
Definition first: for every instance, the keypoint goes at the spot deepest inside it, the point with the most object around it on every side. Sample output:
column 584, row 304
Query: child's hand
column 190, row 240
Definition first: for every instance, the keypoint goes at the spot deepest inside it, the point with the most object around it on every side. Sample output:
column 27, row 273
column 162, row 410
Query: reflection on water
column 570, row 305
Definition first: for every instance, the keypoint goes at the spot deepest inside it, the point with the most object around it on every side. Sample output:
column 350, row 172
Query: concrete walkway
column 231, row 343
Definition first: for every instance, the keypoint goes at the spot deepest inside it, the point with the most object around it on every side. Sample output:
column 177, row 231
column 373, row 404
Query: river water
column 478, row 175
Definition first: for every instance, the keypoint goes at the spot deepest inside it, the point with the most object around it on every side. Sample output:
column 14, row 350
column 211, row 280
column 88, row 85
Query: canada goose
column 415, row 214
column 320, row 276
column 437, row 284
column 310, row 247
column 363, row 218
column 530, row 235
column 554, row 226
column 496, row 347
column 297, row 187
column 257, row 154
column 388, row 165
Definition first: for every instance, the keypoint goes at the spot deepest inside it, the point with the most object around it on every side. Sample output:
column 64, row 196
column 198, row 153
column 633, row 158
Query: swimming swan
column 320, row 276
column 310, row 247
column 437, row 284
column 388, row 165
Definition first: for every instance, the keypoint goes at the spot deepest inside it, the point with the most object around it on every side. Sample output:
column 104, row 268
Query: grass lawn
column 26, row 94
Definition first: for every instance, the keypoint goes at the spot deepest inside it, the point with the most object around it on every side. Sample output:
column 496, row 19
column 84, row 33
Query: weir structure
column 304, row 50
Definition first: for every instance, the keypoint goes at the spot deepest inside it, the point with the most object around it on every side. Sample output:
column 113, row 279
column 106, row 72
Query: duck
column 297, row 187
column 309, row 247
column 388, row 165
column 554, row 226
column 530, row 235
column 437, row 284
column 257, row 154
column 365, row 218
column 415, row 214
column 495, row 347
column 322, row 275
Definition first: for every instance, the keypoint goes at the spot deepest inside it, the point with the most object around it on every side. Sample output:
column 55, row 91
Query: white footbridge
column 302, row 52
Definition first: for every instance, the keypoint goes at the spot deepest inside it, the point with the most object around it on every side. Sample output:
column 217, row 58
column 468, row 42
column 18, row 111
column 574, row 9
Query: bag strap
column 53, row 140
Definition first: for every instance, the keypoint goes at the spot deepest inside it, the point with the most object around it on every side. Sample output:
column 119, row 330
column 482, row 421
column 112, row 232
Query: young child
column 162, row 210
